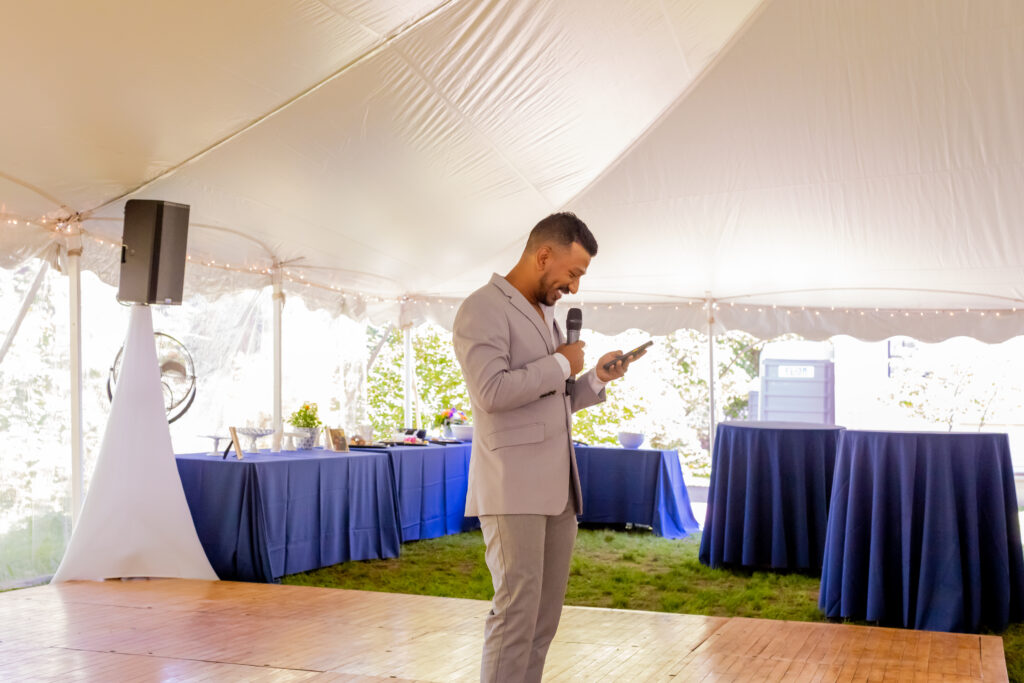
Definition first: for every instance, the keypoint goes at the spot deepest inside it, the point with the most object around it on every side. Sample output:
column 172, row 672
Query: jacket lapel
column 559, row 335
column 519, row 301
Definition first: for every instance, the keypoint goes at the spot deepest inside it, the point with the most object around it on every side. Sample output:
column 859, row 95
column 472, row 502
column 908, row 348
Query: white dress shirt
column 549, row 320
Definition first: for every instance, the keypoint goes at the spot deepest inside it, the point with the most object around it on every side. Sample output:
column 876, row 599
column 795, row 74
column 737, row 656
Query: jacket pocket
column 517, row 436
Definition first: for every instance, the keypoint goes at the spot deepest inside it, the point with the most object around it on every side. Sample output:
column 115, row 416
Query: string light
column 66, row 226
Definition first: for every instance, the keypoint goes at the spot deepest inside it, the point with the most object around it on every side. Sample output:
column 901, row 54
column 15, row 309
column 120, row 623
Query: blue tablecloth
column 622, row 485
column 274, row 514
column 923, row 532
column 431, row 483
column 768, row 496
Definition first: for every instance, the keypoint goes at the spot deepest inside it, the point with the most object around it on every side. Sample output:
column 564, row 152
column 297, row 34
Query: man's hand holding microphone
column 574, row 354
column 612, row 365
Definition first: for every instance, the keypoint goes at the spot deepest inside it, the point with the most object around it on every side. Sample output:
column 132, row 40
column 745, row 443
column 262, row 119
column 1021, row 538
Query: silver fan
column 177, row 375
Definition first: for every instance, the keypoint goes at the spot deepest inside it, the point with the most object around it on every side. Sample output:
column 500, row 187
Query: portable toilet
column 797, row 383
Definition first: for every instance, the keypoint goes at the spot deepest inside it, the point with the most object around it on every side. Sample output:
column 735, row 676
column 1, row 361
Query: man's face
column 561, row 270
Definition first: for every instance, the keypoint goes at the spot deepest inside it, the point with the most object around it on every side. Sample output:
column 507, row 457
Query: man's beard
column 547, row 294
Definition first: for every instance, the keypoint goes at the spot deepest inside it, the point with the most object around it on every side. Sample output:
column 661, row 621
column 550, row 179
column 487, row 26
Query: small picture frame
column 336, row 440
column 236, row 443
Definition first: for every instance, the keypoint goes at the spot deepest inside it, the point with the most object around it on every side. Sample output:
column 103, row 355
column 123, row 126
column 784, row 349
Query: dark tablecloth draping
column 622, row 485
column 274, row 514
column 431, row 483
column 923, row 532
column 768, row 496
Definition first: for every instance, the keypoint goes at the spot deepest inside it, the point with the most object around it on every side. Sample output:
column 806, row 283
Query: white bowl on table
column 462, row 432
column 631, row 439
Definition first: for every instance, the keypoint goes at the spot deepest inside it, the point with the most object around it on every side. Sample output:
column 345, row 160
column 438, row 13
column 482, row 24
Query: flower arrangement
column 452, row 416
column 306, row 416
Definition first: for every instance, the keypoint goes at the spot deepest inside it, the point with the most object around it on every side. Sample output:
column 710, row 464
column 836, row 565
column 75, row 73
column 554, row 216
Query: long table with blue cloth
column 431, row 482
column 635, row 486
column 923, row 532
column 768, row 495
column 272, row 514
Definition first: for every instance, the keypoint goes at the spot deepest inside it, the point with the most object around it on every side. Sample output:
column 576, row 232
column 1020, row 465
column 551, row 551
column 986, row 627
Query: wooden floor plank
column 176, row 630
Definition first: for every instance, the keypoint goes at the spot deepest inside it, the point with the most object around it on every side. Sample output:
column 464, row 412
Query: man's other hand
column 616, row 371
column 574, row 354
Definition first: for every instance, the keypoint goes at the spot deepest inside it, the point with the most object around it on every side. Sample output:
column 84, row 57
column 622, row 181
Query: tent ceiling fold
column 841, row 154
column 824, row 157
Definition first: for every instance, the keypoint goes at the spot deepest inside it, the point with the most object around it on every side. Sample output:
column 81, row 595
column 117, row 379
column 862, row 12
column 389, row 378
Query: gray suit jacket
column 522, row 457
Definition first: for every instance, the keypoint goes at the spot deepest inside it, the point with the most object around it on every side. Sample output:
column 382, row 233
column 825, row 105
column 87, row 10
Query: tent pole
column 711, row 371
column 74, row 251
column 278, row 301
column 26, row 303
column 376, row 350
column 408, row 418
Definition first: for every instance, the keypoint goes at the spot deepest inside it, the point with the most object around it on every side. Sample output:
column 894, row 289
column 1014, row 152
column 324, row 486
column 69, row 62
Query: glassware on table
column 216, row 442
column 365, row 432
column 252, row 434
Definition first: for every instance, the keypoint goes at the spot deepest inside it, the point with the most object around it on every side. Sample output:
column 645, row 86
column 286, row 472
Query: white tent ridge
column 818, row 167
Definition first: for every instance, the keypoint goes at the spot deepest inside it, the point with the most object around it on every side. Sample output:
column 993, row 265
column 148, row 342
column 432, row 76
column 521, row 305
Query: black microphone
column 573, row 325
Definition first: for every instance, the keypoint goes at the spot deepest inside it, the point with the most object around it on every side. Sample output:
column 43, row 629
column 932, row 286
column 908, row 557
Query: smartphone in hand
column 629, row 355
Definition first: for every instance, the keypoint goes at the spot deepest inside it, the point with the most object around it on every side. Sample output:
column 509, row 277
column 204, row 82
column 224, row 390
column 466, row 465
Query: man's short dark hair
column 563, row 229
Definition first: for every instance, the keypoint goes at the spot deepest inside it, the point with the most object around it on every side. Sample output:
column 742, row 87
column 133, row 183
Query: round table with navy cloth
column 637, row 486
column 923, row 532
column 272, row 514
column 768, row 496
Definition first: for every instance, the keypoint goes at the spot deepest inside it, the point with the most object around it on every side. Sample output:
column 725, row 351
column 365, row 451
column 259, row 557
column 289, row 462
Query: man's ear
column 543, row 256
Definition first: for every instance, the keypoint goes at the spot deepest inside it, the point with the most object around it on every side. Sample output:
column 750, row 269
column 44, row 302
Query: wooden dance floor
column 167, row 629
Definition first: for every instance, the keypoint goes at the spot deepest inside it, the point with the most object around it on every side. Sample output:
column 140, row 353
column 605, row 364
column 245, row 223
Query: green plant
column 306, row 416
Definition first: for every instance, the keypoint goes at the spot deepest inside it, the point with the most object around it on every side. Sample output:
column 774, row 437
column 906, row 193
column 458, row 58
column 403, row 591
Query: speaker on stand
column 153, row 252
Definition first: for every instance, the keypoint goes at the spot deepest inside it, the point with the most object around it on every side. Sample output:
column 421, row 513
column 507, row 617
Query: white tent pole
column 376, row 350
column 407, row 333
column 710, row 306
column 30, row 296
column 74, row 249
column 278, row 301
column 417, row 405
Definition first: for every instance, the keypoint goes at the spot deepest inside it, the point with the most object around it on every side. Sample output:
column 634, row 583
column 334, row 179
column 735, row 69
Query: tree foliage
column 673, row 412
column 737, row 360
column 438, row 379
column 34, row 425
column 966, row 392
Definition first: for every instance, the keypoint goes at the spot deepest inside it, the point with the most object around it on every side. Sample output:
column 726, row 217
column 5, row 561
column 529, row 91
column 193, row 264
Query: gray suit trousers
column 529, row 558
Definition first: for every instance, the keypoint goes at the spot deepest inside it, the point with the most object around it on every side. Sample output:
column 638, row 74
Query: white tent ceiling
column 800, row 162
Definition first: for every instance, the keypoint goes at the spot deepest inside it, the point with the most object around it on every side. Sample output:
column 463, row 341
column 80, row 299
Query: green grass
column 1013, row 648
column 449, row 567
column 619, row 569
column 33, row 546
column 624, row 570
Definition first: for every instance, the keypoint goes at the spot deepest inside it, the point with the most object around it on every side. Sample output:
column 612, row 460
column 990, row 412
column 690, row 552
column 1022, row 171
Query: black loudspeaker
column 153, row 252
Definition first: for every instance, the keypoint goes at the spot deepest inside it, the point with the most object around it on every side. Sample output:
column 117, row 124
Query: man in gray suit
column 523, row 482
